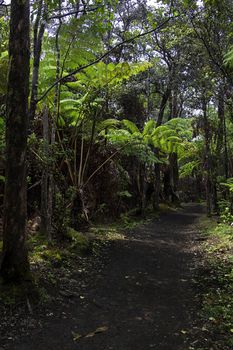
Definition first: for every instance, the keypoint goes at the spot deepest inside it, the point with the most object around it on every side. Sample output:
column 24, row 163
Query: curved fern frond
column 132, row 127
column 149, row 127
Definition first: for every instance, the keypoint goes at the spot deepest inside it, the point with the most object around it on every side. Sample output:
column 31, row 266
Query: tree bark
column 157, row 186
column 174, row 177
column 45, row 177
column 15, row 265
column 51, row 189
column 163, row 104
column 222, row 149
column 207, row 157
column 39, row 28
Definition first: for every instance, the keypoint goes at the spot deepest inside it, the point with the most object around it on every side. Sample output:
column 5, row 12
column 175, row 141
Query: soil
column 137, row 294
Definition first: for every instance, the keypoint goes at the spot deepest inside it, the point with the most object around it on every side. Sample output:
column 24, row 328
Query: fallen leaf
column 97, row 331
column 101, row 329
column 76, row 336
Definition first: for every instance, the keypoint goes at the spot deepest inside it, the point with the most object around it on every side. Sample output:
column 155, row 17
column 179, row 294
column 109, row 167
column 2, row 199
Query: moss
column 45, row 254
column 80, row 241
column 165, row 208
column 52, row 254
column 108, row 232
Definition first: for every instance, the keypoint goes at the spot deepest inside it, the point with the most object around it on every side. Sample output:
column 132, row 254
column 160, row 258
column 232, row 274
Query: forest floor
column 135, row 293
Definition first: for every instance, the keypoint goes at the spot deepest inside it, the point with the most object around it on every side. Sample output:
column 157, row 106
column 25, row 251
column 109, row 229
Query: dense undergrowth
column 216, row 280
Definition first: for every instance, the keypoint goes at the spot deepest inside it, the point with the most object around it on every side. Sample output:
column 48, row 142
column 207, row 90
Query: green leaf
column 132, row 127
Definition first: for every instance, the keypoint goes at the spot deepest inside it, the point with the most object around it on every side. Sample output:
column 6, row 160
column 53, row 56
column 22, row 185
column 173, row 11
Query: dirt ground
column 140, row 297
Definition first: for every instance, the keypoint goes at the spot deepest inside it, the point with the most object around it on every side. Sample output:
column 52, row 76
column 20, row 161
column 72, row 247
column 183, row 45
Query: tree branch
column 60, row 80
column 75, row 12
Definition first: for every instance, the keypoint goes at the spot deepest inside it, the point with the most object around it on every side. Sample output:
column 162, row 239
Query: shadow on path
column 143, row 296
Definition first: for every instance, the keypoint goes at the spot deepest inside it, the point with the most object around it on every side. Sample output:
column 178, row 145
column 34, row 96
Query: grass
column 115, row 230
column 217, row 282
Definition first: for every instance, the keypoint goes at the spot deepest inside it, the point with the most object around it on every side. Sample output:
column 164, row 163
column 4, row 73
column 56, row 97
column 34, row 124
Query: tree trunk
column 38, row 37
column 167, row 184
column 207, row 157
column 220, row 121
column 157, row 186
column 222, row 149
column 142, row 175
column 173, row 104
column 79, row 211
column 45, row 176
column 226, row 158
column 51, row 189
column 15, row 265
column 174, row 177
column 163, row 104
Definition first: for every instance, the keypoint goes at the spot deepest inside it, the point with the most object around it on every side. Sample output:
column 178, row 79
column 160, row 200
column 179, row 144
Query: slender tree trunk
column 207, row 157
column 15, row 265
column 51, row 189
column 174, row 177
column 45, row 177
column 39, row 28
column 157, row 186
column 226, row 157
column 167, row 183
column 220, row 122
column 142, row 179
column 173, row 104
column 222, row 148
column 163, row 104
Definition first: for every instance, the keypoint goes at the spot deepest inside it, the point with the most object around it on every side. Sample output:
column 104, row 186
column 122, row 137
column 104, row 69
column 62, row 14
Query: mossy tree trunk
column 15, row 265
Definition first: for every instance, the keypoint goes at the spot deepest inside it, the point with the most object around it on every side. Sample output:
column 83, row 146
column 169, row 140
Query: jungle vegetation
column 111, row 107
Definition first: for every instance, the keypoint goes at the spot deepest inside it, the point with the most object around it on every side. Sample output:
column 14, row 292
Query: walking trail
column 143, row 297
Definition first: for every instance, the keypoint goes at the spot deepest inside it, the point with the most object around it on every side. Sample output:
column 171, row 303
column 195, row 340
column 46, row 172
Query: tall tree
column 14, row 265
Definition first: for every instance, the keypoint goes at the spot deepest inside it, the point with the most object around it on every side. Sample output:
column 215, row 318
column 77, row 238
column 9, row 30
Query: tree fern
column 132, row 127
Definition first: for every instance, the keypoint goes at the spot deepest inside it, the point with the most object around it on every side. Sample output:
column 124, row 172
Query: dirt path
column 142, row 298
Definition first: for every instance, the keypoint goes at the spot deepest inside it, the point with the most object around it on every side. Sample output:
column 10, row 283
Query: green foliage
column 228, row 59
column 228, row 184
column 217, row 301
column 124, row 194
column 187, row 169
column 3, row 72
column 225, row 211
column 149, row 127
column 169, row 137
column 79, row 241
column 130, row 126
column 191, row 156
column 133, row 142
column 101, row 75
